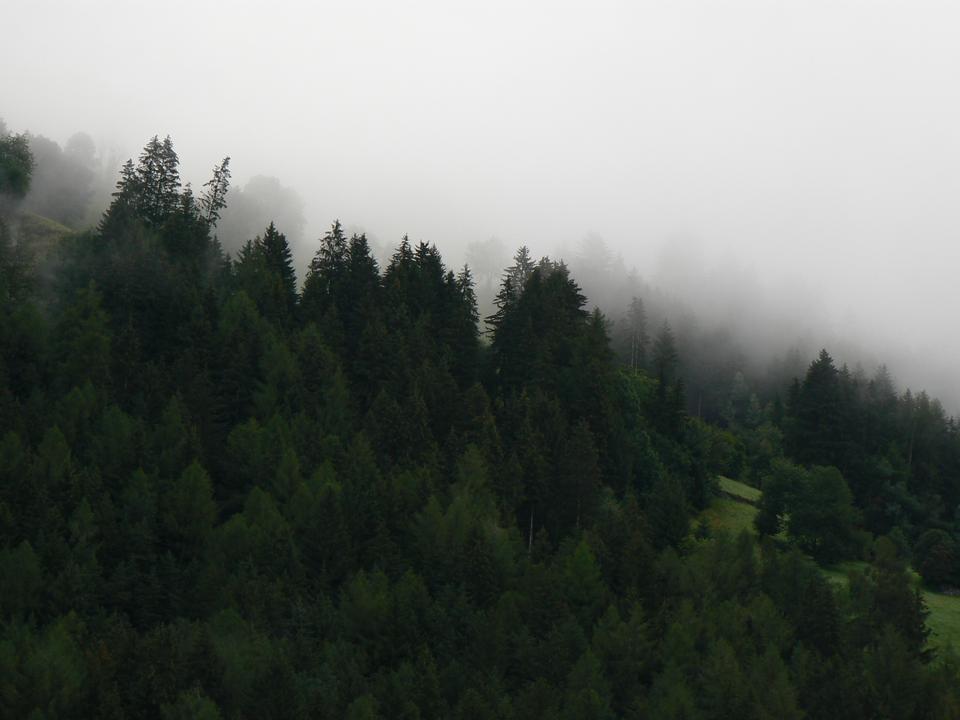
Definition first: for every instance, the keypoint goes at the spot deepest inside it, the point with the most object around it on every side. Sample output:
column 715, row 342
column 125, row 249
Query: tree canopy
column 225, row 493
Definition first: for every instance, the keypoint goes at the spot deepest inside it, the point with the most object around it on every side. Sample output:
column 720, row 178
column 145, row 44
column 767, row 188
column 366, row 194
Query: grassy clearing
column 838, row 573
column 729, row 516
column 734, row 510
column 42, row 235
column 944, row 619
column 739, row 489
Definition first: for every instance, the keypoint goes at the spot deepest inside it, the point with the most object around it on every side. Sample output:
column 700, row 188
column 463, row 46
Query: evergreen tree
column 512, row 284
column 578, row 476
column 326, row 273
column 816, row 414
column 637, row 328
column 279, row 262
column 935, row 558
column 157, row 181
column 16, row 167
column 669, row 399
column 214, row 197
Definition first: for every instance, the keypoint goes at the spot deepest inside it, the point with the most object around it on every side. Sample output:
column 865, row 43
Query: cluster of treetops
column 226, row 495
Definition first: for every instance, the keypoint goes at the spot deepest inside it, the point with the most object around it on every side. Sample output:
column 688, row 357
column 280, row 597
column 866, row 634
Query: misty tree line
column 890, row 459
column 223, row 494
column 895, row 454
column 73, row 185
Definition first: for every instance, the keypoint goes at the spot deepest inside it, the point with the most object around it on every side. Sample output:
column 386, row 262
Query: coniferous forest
column 226, row 493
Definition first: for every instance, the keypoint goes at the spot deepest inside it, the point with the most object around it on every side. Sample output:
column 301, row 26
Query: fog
column 789, row 168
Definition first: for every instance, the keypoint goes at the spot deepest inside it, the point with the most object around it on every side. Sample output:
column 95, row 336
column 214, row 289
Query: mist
column 788, row 171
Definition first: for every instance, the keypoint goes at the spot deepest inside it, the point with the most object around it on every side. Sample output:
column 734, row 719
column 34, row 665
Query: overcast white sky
column 812, row 144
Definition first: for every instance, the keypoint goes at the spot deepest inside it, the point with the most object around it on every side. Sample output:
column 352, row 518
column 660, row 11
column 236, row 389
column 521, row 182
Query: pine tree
column 816, row 426
column 214, row 196
column 665, row 356
column 157, row 181
column 84, row 341
column 279, row 262
column 669, row 400
column 578, row 476
column 465, row 331
column 637, row 324
column 511, row 286
column 360, row 294
column 326, row 274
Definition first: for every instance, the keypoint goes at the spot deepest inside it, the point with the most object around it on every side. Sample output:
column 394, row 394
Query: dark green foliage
column 327, row 273
column 814, row 507
column 935, row 558
column 16, row 166
column 265, row 272
column 16, row 279
column 816, row 430
column 667, row 510
column 222, row 498
column 669, row 401
column 637, row 333
column 535, row 339
column 884, row 595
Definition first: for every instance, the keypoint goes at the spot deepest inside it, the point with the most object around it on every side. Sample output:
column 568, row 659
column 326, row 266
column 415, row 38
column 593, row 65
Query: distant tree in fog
column 63, row 184
column 669, row 400
column 514, row 279
column 486, row 259
column 637, row 328
column 214, row 197
column 665, row 356
column 149, row 190
column 254, row 206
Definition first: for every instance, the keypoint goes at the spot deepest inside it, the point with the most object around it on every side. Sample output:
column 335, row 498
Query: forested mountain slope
column 224, row 494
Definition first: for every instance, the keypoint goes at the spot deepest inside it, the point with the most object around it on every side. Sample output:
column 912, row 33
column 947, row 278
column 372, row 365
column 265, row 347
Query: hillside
column 227, row 494
column 734, row 511
column 40, row 235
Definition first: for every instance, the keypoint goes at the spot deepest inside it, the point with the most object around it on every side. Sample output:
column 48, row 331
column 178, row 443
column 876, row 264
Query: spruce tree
column 326, row 272
column 637, row 324
column 511, row 286
column 279, row 261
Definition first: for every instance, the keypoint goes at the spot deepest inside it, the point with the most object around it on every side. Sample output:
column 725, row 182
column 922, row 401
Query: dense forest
column 225, row 493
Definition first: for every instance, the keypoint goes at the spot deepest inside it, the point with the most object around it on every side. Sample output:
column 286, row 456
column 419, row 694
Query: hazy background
column 791, row 166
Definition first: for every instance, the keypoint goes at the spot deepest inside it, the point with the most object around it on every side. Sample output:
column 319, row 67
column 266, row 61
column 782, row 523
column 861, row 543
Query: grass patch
column 838, row 573
column 739, row 490
column 42, row 235
column 734, row 510
column 729, row 516
column 943, row 620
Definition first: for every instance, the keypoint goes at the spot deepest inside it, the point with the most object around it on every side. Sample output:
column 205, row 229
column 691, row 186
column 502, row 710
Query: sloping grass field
column 944, row 619
column 733, row 511
column 728, row 515
column 41, row 234
column 739, row 490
